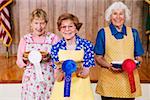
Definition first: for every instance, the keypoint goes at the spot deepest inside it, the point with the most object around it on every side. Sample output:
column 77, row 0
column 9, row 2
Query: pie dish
column 43, row 53
column 118, row 64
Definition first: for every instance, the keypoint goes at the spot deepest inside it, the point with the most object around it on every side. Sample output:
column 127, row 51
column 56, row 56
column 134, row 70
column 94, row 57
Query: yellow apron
column 111, row 84
column 80, row 88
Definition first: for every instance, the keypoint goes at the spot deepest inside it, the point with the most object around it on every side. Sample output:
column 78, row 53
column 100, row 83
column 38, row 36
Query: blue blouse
column 84, row 44
column 99, row 48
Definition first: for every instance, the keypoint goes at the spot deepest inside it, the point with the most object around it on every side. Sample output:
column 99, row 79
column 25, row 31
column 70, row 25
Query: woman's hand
column 116, row 70
column 25, row 60
column 82, row 72
column 59, row 75
column 112, row 68
column 78, row 71
column 138, row 58
column 46, row 58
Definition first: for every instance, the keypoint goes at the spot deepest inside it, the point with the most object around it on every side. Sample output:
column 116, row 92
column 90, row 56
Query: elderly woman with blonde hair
column 116, row 43
column 38, row 79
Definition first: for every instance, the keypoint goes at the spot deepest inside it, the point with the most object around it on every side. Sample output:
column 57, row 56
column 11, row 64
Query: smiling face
column 38, row 26
column 118, row 17
column 68, row 29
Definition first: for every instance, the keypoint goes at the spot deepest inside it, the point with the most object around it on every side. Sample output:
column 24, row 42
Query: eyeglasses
column 67, row 27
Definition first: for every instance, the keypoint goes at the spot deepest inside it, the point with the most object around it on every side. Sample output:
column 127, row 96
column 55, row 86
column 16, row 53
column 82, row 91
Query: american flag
column 5, row 27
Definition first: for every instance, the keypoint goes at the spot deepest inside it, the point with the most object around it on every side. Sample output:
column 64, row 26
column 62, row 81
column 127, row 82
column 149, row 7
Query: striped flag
column 5, row 27
column 148, row 23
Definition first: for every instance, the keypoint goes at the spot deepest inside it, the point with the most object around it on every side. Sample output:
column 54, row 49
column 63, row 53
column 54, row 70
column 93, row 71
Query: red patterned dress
column 31, row 88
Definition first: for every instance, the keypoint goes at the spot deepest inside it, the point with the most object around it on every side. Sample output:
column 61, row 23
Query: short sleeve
column 99, row 48
column 21, row 49
column 89, row 55
column 54, row 54
column 56, row 39
column 138, row 49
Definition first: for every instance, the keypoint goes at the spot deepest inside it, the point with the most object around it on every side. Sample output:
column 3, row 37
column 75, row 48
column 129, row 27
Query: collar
column 78, row 41
column 114, row 30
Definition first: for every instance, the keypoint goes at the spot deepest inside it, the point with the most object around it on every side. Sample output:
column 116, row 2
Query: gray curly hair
column 117, row 5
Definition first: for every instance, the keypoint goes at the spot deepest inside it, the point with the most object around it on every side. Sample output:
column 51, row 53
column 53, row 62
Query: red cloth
column 128, row 66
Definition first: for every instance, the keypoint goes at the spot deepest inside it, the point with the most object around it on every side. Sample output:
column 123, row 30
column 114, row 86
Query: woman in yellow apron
column 77, row 49
column 117, row 42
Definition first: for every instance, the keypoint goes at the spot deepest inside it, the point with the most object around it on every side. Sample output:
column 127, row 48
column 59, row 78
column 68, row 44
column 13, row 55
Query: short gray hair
column 117, row 5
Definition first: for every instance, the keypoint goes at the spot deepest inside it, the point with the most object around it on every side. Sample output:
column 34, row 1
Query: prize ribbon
column 68, row 66
column 129, row 66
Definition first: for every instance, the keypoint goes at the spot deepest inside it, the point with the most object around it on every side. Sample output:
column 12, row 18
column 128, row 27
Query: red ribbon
column 128, row 66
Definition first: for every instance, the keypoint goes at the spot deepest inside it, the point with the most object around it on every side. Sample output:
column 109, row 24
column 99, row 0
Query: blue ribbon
column 68, row 66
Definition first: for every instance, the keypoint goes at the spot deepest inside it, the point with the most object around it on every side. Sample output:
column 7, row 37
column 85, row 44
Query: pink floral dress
column 31, row 88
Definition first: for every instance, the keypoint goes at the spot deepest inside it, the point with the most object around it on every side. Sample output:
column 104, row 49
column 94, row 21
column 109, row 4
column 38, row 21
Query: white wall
column 12, row 92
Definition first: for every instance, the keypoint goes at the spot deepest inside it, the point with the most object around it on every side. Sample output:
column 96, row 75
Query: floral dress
column 31, row 88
